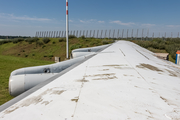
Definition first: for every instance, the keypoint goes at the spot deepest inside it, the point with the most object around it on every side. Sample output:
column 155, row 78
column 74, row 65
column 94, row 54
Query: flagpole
column 67, row 31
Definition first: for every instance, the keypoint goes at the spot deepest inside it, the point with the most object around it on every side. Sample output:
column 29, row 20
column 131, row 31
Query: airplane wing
column 124, row 81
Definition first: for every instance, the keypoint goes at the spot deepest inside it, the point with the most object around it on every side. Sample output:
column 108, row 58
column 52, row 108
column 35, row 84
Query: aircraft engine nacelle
column 21, row 83
column 86, row 51
column 23, row 79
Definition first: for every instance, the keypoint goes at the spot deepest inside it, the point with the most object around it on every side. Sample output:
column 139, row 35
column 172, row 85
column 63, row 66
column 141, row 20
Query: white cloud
column 13, row 17
column 87, row 21
column 173, row 26
column 121, row 23
column 101, row 22
column 82, row 21
column 70, row 20
column 148, row 25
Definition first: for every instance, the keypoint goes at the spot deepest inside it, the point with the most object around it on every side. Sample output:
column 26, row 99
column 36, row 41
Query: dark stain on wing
column 83, row 80
column 34, row 100
column 148, row 66
column 100, row 75
column 171, row 73
column 106, row 76
column 75, row 99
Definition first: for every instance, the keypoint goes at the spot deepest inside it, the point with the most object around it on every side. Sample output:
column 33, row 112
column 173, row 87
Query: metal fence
column 134, row 34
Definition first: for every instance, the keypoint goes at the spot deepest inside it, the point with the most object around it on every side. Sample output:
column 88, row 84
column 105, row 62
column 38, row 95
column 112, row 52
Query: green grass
column 7, row 65
column 45, row 51
column 156, row 50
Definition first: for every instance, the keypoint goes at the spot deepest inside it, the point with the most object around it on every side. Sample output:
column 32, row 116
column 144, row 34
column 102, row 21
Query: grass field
column 47, row 51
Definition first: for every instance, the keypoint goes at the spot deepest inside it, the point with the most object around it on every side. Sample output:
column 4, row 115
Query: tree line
column 12, row 37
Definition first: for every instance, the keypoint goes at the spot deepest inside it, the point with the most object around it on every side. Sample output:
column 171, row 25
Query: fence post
column 105, row 33
column 137, row 34
column 59, row 33
column 147, row 35
column 122, row 33
column 101, row 34
column 142, row 34
column 97, row 33
column 80, row 33
column 132, row 34
column 56, row 34
column 113, row 33
column 77, row 33
column 109, row 34
column 44, row 33
column 127, row 33
column 65, row 34
column 153, row 36
column 86, row 33
column 118, row 34
column 90, row 33
column 36, row 34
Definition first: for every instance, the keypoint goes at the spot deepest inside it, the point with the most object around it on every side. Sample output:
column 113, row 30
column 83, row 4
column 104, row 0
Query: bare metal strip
column 142, row 54
column 122, row 52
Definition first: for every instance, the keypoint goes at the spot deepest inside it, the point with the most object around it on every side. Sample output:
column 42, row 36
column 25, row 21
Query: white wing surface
column 124, row 81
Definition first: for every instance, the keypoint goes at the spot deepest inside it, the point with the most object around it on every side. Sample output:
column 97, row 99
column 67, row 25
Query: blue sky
column 25, row 17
